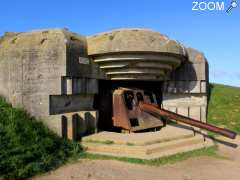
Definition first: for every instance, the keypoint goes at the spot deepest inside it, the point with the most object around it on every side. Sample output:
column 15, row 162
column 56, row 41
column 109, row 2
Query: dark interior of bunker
column 103, row 100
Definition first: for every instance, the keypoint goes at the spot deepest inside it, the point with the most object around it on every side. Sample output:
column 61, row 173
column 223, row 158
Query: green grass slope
column 224, row 106
column 27, row 147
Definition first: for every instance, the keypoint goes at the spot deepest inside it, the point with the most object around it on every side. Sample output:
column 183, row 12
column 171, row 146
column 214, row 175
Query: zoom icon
column 233, row 5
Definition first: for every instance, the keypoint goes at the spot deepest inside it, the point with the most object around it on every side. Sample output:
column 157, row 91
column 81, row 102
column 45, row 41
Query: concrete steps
column 150, row 149
column 189, row 147
column 174, row 144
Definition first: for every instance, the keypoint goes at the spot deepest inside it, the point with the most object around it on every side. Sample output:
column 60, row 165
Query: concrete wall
column 34, row 67
column 31, row 67
column 78, row 62
column 186, row 92
column 74, row 125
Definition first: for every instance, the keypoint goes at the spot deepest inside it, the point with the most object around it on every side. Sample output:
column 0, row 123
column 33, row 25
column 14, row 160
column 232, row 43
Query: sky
column 215, row 33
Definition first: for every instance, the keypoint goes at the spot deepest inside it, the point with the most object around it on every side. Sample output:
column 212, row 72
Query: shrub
column 27, row 147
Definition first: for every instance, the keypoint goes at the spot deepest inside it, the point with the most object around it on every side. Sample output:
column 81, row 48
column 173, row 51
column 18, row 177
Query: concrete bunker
column 133, row 58
column 56, row 75
column 68, row 81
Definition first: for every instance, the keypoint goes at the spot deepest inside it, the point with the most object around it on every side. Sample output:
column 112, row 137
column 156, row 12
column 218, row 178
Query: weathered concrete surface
column 127, row 40
column 187, row 91
column 74, row 125
column 54, row 71
column 141, row 138
column 135, row 54
column 138, row 65
column 152, row 151
column 170, row 140
column 33, row 66
column 70, row 103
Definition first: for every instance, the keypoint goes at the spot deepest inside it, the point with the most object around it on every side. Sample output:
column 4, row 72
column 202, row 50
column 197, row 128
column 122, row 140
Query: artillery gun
column 137, row 110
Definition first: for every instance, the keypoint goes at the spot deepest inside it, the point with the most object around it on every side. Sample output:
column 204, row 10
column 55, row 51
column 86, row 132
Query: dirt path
column 199, row 168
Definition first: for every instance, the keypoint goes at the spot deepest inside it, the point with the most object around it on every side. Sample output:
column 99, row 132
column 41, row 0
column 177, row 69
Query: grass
column 130, row 144
column 99, row 142
column 27, row 147
column 210, row 151
column 224, row 106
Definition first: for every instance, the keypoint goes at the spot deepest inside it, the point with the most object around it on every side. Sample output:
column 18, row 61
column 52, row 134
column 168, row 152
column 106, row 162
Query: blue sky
column 216, row 33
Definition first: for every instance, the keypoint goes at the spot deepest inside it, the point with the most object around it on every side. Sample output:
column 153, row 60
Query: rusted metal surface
column 128, row 115
column 120, row 114
column 170, row 115
column 133, row 111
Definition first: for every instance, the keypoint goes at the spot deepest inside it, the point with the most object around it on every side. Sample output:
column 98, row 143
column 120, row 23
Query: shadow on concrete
column 185, row 72
column 210, row 92
column 172, row 123
column 217, row 140
column 64, row 126
column 204, row 134
column 79, row 126
column 91, row 123
column 83, row 126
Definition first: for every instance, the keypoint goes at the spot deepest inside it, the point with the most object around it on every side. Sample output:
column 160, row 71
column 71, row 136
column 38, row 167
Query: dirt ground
column 198, row 168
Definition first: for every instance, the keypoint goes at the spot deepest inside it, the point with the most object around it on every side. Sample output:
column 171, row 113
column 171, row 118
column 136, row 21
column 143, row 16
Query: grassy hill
column 224, row 106
column 27, row 147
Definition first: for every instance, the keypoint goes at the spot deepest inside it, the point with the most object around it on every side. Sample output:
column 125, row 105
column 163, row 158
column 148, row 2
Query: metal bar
column 167, row 114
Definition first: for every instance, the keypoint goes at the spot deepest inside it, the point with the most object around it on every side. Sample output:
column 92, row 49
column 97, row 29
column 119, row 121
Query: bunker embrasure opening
column 135, row 91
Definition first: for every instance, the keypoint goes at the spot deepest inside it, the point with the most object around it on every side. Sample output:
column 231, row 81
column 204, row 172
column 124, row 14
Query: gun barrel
column 170, row 115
